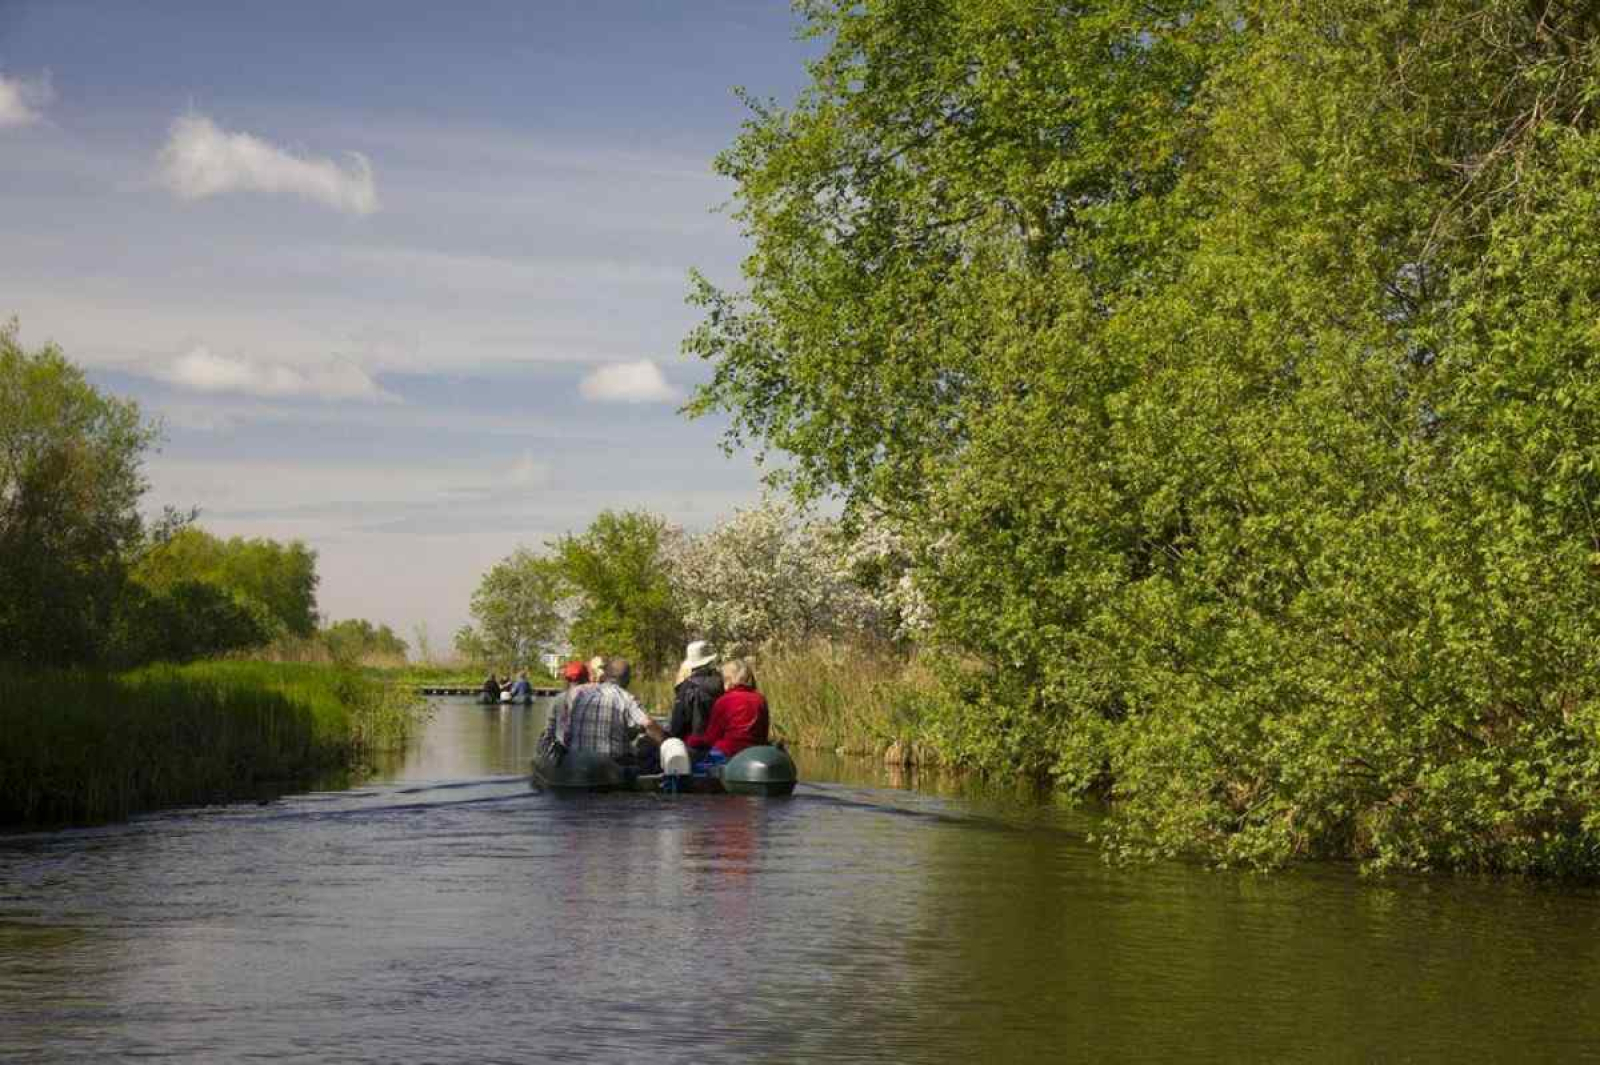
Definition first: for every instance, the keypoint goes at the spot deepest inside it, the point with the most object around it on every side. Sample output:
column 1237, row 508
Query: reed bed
column 84, row 747
column 848, row 699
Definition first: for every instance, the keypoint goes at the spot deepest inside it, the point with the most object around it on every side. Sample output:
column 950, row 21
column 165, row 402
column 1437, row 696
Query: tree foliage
column 355, row 639
column 184, row 621
column 281, row 577
column 70, row 482
column 767, row 575
column 616, row 569
column 517, row 607
column 1230, row 371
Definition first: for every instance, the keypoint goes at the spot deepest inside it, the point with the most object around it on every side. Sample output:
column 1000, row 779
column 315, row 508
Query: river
column 446, row 912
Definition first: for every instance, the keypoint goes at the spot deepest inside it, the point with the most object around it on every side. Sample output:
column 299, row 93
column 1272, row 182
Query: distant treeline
column 85, row 579
column 634, row 584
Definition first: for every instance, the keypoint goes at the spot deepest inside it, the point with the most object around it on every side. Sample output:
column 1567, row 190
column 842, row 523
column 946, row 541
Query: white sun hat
column 699, row 653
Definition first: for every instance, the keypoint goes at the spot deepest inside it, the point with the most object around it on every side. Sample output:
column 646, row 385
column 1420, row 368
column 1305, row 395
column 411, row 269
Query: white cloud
column 21, row 99
column 200, row 160
column 203, row 371
column 628, row 382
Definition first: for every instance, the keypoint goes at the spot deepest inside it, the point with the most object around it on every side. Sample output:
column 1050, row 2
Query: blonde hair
column 684, row 669
column 737, row 672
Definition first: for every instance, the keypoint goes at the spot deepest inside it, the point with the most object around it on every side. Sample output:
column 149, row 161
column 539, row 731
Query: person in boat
column 491, row 689
column 601, row 717
column 738, row 717
column 521, row 690
column 575, row 673
column 699, row 685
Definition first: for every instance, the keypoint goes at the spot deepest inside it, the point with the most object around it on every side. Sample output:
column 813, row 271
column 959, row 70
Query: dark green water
column 448, row 913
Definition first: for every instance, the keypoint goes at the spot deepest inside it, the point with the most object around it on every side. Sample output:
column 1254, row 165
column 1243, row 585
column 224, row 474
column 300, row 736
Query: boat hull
column 763, row 771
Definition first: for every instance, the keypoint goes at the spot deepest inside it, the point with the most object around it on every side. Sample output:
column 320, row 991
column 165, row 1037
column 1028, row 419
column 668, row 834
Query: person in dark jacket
column 490, row 692
column 695, row 692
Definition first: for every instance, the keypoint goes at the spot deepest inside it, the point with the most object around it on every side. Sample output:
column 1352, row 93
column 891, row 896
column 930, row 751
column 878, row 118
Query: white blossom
column 766, row 575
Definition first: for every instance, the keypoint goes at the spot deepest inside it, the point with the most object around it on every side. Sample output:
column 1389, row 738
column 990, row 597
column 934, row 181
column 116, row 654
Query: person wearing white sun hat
column 699, row 686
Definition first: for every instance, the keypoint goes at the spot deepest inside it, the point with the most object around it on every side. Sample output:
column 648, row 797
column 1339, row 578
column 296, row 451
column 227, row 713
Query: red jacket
column 738, row 720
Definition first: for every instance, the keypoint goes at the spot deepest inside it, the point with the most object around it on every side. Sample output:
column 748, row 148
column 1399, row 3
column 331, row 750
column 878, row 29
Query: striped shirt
column 596, row 717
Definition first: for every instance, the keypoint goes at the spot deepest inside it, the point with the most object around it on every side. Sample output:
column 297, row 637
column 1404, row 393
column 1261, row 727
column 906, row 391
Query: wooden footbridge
column 433, row 689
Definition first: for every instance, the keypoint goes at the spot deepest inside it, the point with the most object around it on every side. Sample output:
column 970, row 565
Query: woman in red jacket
column 738, row 717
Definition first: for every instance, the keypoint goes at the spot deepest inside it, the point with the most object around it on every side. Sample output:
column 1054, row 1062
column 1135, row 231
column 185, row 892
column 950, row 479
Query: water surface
column 447, row 912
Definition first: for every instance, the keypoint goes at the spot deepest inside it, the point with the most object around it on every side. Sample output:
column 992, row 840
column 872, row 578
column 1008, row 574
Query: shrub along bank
column 78, row 747
column 1231, row 372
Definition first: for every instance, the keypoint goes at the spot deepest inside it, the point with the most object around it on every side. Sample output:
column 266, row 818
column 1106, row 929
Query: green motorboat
column 766, row 771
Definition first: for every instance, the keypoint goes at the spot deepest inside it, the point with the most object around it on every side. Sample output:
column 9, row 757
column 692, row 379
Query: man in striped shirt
column 598, row 717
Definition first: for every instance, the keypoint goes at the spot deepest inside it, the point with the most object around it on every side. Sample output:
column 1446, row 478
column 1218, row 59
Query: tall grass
column 78, row 747
column 848, row 699
column 314, row 650
column 837, row 697
column 452, row 672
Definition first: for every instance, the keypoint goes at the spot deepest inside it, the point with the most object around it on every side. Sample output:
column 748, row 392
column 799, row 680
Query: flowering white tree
column 767, row 574
column 881, row 560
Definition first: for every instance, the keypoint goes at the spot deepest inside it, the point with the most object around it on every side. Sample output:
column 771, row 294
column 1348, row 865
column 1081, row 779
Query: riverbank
column 1388, row 814
column 86, row 747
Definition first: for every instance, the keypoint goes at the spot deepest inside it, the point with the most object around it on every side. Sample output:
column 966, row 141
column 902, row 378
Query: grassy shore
column 392, row 668
column 78, row 748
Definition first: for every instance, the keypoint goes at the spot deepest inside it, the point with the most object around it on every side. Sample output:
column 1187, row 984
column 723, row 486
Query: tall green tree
column 617, row 568
column 282, row 577
column 352, row 639
column 1231, row 371
column 183, row 621
column 517, row 608
column 70, row 482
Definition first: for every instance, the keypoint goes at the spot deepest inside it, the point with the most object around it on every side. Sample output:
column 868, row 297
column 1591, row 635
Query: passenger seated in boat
column 491, row 689
column 599, row 717
column 738, row 717
column 699, row 685
column 521, row 691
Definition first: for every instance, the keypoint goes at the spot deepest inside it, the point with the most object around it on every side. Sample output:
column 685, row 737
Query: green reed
column 84, row 747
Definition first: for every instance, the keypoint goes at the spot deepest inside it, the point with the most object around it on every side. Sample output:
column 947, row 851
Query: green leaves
column 517, row 607
column 280, row 577
column 1230, row 374
column 70, row 483
column 617, row 570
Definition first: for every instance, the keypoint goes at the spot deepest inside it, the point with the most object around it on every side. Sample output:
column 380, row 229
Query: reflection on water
column 450, row 913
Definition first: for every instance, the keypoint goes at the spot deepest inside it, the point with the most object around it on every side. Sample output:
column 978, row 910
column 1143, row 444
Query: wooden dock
column 538, row 693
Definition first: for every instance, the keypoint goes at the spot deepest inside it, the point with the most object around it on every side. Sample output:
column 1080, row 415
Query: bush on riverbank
column 85, row 747
column 1231, row 375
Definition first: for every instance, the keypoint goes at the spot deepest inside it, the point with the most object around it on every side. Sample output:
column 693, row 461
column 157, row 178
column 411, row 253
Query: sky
column 403, row 280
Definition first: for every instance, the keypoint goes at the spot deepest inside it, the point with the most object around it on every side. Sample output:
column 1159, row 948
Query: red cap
column 575, row 672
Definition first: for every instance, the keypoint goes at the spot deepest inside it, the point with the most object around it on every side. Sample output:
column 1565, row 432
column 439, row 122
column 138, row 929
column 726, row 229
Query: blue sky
column 403, row 280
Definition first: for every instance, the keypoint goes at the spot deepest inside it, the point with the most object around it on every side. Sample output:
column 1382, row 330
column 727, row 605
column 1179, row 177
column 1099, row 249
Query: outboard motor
column 675, row 767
